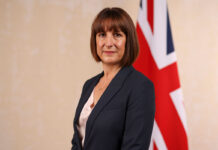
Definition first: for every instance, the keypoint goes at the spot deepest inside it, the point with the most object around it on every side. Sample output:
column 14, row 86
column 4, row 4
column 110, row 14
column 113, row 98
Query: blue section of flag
column 170, row 46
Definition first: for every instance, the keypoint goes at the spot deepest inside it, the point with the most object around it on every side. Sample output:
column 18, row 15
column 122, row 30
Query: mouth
column 109, row 52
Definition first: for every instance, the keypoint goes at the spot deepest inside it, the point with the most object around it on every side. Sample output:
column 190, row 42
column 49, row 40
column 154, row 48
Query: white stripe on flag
column 177, row 99
column 157, row 39
column 157, row 138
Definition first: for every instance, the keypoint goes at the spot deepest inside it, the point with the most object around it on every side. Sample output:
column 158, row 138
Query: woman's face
column 111, row 46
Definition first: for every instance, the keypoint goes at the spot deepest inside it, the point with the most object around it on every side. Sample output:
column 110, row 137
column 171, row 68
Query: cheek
column 98, row 51
column 99, row 43
column 122, row 45
column 98, row 46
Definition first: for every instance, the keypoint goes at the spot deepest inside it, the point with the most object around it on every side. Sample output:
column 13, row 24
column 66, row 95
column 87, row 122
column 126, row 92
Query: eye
column 118, row 34
column 101, row 34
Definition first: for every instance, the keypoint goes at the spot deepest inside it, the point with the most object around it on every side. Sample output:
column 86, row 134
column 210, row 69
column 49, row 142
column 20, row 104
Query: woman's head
column 115, row 20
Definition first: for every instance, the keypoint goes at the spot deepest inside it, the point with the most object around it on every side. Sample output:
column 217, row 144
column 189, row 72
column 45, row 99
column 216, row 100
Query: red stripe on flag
column 150, row 15
column 155, row 147
column 165, row 81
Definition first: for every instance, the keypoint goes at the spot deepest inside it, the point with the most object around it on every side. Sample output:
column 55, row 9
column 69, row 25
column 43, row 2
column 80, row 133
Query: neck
column 110, row 71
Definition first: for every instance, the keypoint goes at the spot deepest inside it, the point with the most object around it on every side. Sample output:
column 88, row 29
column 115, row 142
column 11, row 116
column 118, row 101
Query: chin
column 115, row 63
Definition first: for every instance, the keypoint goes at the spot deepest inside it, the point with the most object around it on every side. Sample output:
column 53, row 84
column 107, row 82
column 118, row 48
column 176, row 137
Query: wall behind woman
column 45, row 59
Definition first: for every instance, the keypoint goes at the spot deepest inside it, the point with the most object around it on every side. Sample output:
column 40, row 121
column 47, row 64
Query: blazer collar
column 86, row 95
column 111, row 90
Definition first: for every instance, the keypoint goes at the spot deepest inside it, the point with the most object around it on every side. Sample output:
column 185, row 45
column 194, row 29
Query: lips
column 109, row 52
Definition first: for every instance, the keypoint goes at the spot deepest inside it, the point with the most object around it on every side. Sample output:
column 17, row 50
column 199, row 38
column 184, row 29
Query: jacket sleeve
column 74, row 144
column 139, row 117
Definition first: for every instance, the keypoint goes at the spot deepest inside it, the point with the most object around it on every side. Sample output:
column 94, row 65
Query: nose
column 109, row 41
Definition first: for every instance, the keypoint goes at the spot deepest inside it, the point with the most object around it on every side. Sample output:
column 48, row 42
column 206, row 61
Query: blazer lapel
column 85, row 97
column 111, row 90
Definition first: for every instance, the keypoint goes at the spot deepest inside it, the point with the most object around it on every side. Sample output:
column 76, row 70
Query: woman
column 116, row 108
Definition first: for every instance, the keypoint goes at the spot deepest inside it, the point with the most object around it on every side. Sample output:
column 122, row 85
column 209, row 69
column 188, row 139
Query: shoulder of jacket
column 138, row 77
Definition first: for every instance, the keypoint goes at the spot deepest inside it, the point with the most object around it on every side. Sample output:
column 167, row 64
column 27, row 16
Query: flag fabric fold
column 157, row 60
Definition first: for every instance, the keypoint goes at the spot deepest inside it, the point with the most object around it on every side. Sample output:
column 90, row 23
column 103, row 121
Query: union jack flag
column 157, row 60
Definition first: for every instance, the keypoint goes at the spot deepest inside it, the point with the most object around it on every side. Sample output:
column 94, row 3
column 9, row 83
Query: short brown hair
column 116, row 19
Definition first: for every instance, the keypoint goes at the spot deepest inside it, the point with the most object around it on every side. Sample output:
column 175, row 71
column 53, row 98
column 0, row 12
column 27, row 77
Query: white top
column 84, row 117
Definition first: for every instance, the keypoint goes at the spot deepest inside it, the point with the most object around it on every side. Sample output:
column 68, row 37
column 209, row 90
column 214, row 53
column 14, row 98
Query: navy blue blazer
column 124, row 115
